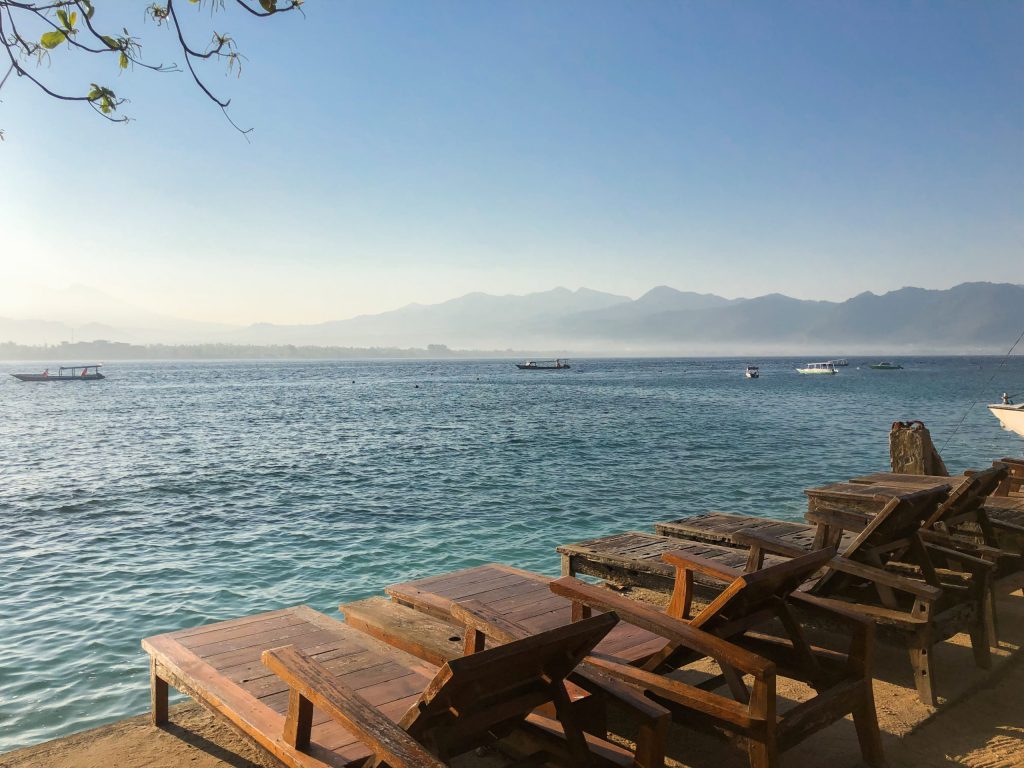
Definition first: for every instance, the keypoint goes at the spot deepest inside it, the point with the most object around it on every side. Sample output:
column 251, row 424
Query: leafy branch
column 69, row 23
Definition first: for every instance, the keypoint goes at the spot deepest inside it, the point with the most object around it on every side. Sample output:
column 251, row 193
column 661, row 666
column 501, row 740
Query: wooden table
column 839, row 507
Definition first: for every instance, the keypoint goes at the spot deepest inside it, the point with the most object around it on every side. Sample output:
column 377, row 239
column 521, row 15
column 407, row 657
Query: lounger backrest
column 491, row 691
column 965, row 500
column 900, row 518
column 1014, row 480
column 761, row 589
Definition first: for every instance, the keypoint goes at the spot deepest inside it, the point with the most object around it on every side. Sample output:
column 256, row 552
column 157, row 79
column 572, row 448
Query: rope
column 987, row 385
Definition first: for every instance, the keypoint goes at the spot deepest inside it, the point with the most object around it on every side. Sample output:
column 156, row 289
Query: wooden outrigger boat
column 64, row 373
column 544, row 365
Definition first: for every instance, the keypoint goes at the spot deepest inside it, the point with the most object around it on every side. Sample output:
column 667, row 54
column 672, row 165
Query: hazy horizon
column 424, row 153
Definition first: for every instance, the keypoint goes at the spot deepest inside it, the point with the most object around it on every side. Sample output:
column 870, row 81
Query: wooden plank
column 433, row 640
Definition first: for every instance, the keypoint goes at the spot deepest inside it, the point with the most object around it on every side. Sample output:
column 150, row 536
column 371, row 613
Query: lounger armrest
column 719, row 707
column 816, row 604
column 685, row 561
column 476, row 615
column 916, row 588
column 595, row 679
column 673, row 630
column 314, row 685
column 768, row 544
column 961, row 543
column 964, row 559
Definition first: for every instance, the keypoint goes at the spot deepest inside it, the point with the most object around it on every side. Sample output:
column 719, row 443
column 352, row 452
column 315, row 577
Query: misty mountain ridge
column 972, row 317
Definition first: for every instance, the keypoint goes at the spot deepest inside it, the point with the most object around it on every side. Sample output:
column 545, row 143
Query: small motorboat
column 64, row 373
column 544, row 365
column 752, row 372
column 1010, row 416
column 886, row 366
column 826, row 368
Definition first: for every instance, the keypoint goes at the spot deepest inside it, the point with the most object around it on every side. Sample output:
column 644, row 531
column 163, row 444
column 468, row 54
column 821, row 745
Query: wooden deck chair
column 314, row 692
column 842, row 681
column 1013, row 483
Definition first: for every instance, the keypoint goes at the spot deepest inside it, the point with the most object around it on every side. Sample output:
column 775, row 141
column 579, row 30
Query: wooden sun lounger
column 919, row 612
column 314, row 692
column 521, row 596
column 844, row 682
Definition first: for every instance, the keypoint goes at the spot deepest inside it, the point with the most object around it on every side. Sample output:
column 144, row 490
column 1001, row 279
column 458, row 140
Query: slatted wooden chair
column 842, row 681
column 918, row 611
column 1013, row 483
column 326, row 694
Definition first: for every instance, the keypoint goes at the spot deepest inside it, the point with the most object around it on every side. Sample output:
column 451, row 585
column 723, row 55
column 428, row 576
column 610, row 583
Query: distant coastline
column 107, row 351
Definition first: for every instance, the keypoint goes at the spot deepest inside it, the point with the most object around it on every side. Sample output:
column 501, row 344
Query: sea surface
column 174, row 494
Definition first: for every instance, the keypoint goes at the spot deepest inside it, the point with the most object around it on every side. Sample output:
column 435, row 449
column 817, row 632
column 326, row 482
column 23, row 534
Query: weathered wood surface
column 635, row 559
column 520, row 596
column 219, row 665
column 424, row 636
column 903, row 478
column 720, row 527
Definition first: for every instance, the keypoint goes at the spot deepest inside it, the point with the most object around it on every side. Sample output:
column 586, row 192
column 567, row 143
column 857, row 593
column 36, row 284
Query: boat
column 824, row 368
column 64, row 373
column 842, row 362
column 1010, row 416
column 752, row 372
column 886, row 366
column 544, row 365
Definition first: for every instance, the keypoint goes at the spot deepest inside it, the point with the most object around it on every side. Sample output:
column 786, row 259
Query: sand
column 979, row 723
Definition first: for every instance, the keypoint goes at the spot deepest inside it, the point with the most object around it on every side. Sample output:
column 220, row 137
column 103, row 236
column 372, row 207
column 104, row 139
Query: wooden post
column 912, row 452
column 158, row 693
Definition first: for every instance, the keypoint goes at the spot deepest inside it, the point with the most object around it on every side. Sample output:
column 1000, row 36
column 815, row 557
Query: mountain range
column 971, row 317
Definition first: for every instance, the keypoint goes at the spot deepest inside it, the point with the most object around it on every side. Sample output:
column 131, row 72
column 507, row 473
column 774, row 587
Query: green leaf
column 51, row 40
column 269, row 5
column 63, row 16
column 124, row 60
column 74, row 18
column 111, row 42
column 89, row 9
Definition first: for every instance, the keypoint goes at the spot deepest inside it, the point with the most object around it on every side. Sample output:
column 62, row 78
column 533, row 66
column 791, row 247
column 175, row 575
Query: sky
column 418, row 151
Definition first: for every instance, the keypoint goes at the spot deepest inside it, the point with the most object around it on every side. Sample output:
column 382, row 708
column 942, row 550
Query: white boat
column 752, row 372
column 826, row 368
column 842, row 362
column 1010, row 416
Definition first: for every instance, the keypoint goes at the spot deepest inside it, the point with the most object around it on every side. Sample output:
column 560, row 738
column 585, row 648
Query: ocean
column 174, row 494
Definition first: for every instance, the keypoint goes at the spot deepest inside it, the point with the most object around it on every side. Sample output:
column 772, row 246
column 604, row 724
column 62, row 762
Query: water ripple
column 174, row 494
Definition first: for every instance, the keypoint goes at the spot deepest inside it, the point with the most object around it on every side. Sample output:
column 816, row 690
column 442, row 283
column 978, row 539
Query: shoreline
column 979, row 722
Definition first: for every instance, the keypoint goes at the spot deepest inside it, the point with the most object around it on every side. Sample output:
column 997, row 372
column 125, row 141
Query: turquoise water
column 179, row 493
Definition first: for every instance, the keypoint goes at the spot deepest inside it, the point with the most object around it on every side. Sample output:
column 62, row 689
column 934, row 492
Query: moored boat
column 64, row 373
column 842, row 362
column 1010, row 416
column 752, row 372
column 544, row 365
column 826, row 368
column 886, row 366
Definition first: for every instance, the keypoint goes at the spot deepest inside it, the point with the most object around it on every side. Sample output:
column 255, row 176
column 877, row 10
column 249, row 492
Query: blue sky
column 416, row 151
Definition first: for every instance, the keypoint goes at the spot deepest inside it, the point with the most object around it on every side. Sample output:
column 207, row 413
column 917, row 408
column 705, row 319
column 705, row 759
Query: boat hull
column 1010, row 416
column 40, row 377
column 523, row 367
column 815, row 372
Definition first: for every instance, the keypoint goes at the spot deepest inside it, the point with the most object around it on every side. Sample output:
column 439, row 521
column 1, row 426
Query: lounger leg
column 921, row 661
column 158, row 694
column 981, row 642
column 865, row 718
column 762, row 754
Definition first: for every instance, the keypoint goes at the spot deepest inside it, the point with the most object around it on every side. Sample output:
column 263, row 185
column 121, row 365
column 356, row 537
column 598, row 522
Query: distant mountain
column 972, row 317
column 477, row 320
